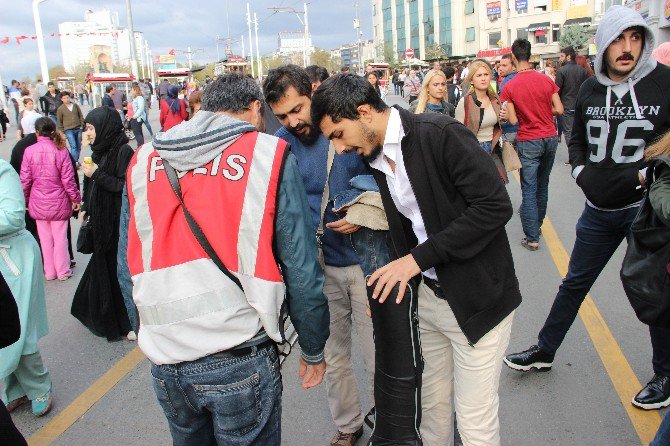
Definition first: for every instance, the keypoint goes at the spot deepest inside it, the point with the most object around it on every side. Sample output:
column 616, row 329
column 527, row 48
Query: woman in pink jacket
column 51, row 194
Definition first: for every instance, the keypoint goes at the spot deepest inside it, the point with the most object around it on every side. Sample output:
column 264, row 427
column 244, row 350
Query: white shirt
column 28, row 121
column 398, row 181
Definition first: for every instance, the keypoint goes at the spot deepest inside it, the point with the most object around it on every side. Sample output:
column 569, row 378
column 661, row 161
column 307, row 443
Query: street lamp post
column 131, row 32
column 251, row 44
column 40, row 41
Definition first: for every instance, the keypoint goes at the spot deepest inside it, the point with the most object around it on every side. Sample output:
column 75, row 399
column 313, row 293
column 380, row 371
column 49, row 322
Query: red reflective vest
column 188, row 308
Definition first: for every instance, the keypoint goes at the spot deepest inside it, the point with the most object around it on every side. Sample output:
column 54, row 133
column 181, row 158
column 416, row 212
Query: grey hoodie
column 616, row 20
column 198, row 141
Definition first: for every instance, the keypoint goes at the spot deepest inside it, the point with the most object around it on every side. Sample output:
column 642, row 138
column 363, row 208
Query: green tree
column 57, row 71
column 575, row 36
column 435, row 52
column 80, row 72
column 389, row 54
column 202, row 74
column 321, row 58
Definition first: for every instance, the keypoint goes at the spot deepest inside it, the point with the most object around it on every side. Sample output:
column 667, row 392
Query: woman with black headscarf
column 173, row 109
column 98, row 302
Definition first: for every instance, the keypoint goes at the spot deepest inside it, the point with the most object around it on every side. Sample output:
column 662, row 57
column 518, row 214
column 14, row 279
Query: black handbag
column 644, row 272
column 85, row 238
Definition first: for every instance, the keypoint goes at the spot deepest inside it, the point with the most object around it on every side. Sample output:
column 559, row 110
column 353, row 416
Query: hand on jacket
column 343, row 226
column 399, row 271
column 89, row 169
column 312, row 373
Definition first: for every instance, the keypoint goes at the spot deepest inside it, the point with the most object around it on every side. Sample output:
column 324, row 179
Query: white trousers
column 458, row 377
column 347, row 301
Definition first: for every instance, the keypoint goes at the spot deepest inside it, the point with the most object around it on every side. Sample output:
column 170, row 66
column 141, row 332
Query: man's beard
column 371, row 138
column 308, row 138
column 622, row 73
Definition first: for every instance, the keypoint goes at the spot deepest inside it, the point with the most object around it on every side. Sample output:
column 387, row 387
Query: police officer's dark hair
column 569, row 51
column 317, row 73
column 340, row 96
column 232, row 92
column 521, row 50
column 280, row 79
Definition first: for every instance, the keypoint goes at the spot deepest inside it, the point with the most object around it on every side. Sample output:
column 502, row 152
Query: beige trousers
column 458, row 377
column 347, row 301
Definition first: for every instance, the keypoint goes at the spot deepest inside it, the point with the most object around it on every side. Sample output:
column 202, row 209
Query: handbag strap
column 195, row 227
column 326, row 191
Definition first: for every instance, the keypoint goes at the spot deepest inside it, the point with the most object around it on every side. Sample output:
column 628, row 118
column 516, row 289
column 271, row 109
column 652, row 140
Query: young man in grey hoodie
column 617, row 113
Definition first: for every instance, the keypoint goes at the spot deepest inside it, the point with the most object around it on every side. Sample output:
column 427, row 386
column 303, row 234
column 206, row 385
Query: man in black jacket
column 617, row 113
column 569, row 78
column 447, row 210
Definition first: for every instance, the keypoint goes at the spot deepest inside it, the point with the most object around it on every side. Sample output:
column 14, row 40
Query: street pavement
column 575, row 403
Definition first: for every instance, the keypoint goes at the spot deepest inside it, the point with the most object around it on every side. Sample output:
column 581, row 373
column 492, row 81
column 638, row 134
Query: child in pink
column 51, row 194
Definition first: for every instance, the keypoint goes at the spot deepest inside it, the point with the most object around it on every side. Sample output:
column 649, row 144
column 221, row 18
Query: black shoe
column 533, row 358
column 655, row 395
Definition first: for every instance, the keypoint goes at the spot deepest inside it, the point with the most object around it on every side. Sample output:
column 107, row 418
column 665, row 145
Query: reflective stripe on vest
column 187, row 307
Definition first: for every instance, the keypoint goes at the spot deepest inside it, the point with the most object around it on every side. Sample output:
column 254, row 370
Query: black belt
column 245, row 351
column 435, row 286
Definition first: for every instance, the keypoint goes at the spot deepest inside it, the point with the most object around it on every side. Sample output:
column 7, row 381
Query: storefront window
column 541, row 36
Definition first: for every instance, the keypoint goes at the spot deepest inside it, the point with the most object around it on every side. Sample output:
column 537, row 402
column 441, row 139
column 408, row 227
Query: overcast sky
column 175, row 24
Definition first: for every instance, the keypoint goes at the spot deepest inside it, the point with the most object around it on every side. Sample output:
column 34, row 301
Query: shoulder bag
column 324, row 204
column 644, row 272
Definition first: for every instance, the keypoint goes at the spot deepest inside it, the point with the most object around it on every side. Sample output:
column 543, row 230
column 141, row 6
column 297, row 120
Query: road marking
column 621, row 374
column 77, row 408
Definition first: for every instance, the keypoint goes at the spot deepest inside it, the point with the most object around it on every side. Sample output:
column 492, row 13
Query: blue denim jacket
column 359, row 184
column 295, row 247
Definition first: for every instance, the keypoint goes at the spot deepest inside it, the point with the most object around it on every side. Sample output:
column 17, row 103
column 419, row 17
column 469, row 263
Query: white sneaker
column 132, row 336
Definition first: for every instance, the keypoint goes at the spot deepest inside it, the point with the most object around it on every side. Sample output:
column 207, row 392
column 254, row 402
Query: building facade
column 98, row 42
column 466, row 28
column 657, row 15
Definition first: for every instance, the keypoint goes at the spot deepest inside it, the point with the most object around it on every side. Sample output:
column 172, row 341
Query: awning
column 538, row 26
column 578, row 21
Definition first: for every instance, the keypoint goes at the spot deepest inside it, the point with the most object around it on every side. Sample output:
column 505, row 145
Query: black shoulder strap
column 195, row 227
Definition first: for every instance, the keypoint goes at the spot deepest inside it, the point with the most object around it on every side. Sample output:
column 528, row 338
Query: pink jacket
column 48, row 181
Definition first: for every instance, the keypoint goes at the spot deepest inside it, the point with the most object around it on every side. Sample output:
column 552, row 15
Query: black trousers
column 136, row 126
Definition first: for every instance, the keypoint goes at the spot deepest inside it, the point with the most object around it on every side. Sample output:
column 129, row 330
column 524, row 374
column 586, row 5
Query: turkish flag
column 171, row 52
column 19, row 38
column 5, row 40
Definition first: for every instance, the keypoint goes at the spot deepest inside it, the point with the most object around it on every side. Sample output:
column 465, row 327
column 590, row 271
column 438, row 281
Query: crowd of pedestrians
column 206, row 289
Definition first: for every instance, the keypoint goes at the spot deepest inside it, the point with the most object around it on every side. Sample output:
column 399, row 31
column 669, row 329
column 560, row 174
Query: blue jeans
column 74, row 140
column 54, row 119
column 122, row 271
column 146, row 123
column 486, row 146
column 537, row 160
column 663, row 434
column 224, row 398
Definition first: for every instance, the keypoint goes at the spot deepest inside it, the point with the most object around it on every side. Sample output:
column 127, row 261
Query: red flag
column 5, row 40
column 53, row 34
column 19, row 38
column 33, row 37
column 171, row 53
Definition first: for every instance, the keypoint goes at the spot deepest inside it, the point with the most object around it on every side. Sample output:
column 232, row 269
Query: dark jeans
column 137, row 131
column 74, row 140
column 397, row 383
column 223, row 399
column 537, row 160
column 567, row 119
column 599, row 234
column 122, row 271
column 662, row 437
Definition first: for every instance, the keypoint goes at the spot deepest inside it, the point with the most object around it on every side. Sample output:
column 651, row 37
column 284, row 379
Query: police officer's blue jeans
column 599, row 234
column 222, row 399
column 537, row 159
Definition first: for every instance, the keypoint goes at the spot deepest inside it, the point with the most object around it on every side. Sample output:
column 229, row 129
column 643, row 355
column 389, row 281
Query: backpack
column 644, row 273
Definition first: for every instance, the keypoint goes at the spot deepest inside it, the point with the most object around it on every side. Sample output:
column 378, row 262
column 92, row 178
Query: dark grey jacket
column 569, row 78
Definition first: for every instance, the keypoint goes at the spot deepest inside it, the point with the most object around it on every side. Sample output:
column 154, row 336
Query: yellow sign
column 167, row 59
column 556, row 5
column 577, row 12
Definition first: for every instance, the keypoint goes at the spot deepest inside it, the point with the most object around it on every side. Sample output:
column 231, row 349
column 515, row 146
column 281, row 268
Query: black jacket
column 10, row 326
column 465, row 207
column 50, row 103
column 610, row 143
column 569, row 78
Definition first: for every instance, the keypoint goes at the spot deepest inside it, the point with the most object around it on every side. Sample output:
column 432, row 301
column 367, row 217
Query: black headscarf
column 109, row 138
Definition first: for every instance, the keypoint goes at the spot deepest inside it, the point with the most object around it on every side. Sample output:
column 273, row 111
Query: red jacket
column 169, row 119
